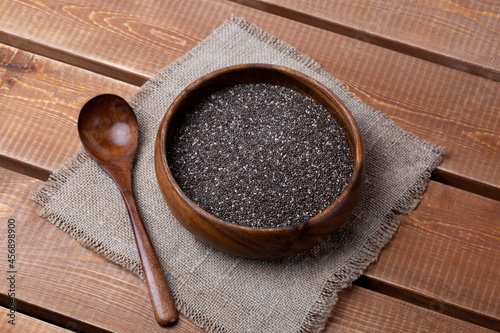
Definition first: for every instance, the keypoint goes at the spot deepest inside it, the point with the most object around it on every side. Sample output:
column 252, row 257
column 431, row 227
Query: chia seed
column 260, row 155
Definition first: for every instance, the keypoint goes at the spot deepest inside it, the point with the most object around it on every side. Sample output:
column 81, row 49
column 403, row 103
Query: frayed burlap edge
column 351, row 270
column 44, row 195
column 368, row 253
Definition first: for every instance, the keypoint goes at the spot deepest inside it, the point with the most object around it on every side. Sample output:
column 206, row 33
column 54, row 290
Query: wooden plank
column 24, row 323
column 463, row 35
column 472, row 287
column 40, row 105
column 62, row 279
column 493, row 141
column 59, row 276
column 450, row 108
column 362, row 310
column 447, row 251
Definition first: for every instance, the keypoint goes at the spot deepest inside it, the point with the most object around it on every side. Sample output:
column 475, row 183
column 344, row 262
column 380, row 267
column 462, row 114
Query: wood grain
column 132, row 33
column 40, row 101
column 362, row 310
column 447, row 107
column 448, row 251
column 450, row 108
column 431, row 273
column 62, row 279
column 463, row 35
column 24, row 323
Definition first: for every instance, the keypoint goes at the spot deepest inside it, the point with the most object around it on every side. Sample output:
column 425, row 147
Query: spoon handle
column 159, row 293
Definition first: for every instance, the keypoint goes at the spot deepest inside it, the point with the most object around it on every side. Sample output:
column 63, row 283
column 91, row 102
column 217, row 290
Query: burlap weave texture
column 216, row 291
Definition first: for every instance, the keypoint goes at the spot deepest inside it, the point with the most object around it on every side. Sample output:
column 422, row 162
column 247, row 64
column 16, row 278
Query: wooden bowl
column 248, row 241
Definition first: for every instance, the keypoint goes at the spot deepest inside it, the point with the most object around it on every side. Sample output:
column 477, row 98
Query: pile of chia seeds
column 260, row 155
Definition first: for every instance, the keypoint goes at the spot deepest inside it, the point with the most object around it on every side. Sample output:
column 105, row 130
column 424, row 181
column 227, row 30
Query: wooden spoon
column 108, row 130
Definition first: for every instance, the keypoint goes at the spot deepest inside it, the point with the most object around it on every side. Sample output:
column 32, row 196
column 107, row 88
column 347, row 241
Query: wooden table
column 431, row 66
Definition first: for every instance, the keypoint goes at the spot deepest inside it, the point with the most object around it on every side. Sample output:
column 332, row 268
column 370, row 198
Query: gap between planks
column 291, row 14
column 465, row 184
column 50, row 317
column 370, row 38
column 72, row 59
column 34, row 171
column 439, row 176
column 72, row 324
column 469, row 134
column 53, row 316
column 366, row 282
column 137, row 79
column 24, row 168
column 426, row 302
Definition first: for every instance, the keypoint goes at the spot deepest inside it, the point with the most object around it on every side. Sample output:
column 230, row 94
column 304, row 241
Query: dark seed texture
column 260, row 155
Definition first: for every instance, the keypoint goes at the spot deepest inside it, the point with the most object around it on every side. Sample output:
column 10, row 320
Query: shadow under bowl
column 246, row 241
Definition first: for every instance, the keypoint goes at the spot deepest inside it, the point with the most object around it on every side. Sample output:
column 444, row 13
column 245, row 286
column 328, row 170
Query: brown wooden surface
column 107, row 297
column 24, row 323
column 440, row 271
column 448, row 251
column 58, row 275
column 50, row 95
column 419, row 28
column 447, row 107
column 362, row 310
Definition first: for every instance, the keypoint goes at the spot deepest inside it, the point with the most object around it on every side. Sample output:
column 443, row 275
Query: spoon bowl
column 108, row 129
column 109, row 132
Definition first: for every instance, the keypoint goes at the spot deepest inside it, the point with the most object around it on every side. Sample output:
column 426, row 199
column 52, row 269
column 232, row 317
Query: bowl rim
column 357, row 148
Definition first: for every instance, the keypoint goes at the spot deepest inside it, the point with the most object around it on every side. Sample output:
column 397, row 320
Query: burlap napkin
column 216, row 291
